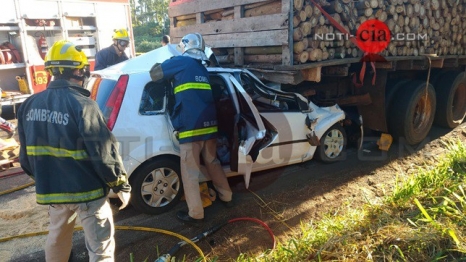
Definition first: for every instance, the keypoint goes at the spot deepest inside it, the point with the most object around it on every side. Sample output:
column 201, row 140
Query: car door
column 252, row 133
column 287, row 112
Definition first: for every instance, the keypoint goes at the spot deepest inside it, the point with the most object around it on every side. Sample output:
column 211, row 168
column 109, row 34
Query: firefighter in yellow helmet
column 115, row 53
column 66, row 147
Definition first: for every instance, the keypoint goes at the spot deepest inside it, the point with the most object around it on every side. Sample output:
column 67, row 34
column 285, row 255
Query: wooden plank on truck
column 241, row 24
column 251, row 39
column 247, row 24
column 197, row 6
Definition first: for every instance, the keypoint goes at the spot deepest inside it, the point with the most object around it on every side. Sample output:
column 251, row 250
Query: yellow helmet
column 120, row 34
column 64, row 54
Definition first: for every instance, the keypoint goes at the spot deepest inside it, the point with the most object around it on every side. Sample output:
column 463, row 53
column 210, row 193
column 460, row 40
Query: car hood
column 143, row 62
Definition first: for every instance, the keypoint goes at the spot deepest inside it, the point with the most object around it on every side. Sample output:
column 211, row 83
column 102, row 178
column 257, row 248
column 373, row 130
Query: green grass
column 423, row 219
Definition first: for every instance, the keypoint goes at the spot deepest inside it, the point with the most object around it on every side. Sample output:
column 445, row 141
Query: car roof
column 144, row 62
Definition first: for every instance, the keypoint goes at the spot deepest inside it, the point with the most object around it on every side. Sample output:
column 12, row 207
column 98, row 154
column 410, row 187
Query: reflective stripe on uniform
column 183, row 87
column 69, row 197
column 120, row 181
column 56, row 152
column 198, row 132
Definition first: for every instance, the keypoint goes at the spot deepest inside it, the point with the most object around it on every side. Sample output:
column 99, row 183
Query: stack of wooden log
column 417, row 27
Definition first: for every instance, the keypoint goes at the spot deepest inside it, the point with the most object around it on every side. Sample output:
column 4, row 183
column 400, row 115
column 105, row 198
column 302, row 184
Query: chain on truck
column 28, row 28
column 308, row 46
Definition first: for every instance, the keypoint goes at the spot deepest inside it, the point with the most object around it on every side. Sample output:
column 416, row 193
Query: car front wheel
column 332, row 144
column 156, row 186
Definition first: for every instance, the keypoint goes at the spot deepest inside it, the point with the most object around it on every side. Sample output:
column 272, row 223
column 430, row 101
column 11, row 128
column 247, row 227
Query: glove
column 124, row 197
column 124, row 194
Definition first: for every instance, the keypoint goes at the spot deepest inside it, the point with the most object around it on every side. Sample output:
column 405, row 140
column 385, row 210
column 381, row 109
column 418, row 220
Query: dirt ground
column 283, row 199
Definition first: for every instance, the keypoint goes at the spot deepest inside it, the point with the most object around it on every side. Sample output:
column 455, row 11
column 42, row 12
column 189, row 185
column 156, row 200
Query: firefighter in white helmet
column 195, row 118
column 66, row 147
column 115, row 53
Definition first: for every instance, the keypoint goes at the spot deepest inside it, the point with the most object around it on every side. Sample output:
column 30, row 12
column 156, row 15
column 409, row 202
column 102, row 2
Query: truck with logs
column 313, row 47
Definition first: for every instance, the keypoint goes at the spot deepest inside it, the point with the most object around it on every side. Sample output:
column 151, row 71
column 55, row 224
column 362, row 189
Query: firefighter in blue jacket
column 115, row 53
column 66, row 147
column 194, row 117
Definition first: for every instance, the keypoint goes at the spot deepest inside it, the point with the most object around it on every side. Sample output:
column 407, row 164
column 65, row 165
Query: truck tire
column 391, row 89
column 156, row 187
column 451, row 99
column 412, row 112
column 332, row 144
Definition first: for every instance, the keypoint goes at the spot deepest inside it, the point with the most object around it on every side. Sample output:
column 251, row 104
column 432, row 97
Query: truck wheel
column 451, row 99
column 412, row 112
column 156, row 187
column 332, row 144
column 392, row 88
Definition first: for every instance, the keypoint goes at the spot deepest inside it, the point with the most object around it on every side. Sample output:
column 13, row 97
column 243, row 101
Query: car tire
column 156, row 186
column 332, row 144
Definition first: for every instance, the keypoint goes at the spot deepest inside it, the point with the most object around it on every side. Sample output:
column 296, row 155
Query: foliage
column 150, row 22
column 146, row 43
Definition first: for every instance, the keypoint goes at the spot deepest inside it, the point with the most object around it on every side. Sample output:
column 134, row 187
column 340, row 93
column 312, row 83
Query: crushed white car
column 259, row 127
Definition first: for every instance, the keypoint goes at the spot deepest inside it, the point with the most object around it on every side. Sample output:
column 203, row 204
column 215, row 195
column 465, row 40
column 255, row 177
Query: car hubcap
column 334, row 143
column 160, row 187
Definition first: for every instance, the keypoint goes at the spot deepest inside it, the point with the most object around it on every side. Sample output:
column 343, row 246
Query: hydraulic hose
column 175, row 248
column 16, row 188
column 264, row 225
column 157, row 230
column 13, row 174
column 167, row 257
column 146, row 229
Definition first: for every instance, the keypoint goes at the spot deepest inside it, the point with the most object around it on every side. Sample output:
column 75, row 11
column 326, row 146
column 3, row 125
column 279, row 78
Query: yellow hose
column 146, row 229
column 157, row 230
column 16, row 188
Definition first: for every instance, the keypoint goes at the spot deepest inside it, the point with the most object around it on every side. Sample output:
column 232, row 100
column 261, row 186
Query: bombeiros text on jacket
column 44, row 115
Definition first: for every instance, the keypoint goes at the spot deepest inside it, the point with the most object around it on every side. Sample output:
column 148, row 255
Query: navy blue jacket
column 108, row 57
column 66, row 147
column 194, row 114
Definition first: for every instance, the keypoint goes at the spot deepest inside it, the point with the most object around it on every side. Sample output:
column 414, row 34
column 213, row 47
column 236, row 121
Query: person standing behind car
column 66, row 147
column 194, row 117
column 115, row 53
column 165, row 40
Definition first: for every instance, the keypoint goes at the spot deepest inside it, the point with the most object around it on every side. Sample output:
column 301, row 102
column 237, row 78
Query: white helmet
column 193, row 45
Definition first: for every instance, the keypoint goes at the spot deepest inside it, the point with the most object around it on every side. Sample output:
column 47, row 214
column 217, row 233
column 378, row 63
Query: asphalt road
column 146, row 245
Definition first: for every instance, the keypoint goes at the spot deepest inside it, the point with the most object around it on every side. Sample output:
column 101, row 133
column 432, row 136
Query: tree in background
column 150, row 22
